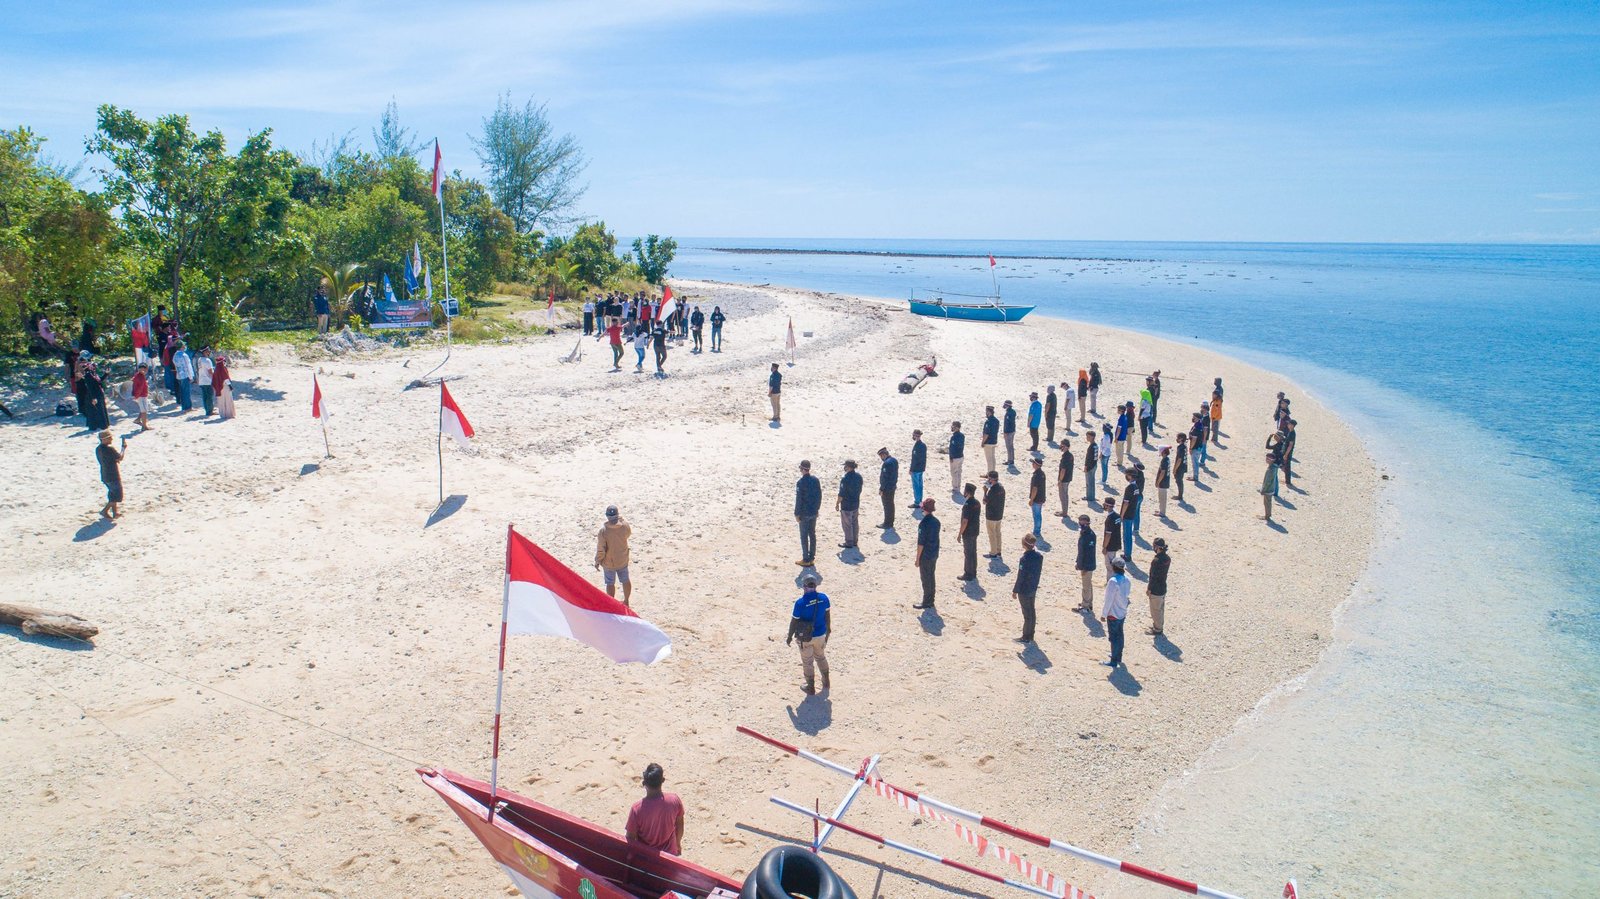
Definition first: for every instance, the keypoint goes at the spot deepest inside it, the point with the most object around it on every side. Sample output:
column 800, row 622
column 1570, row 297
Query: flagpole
column 993, row 279
column 441, row 443
column 500, row 681
column 327, row 451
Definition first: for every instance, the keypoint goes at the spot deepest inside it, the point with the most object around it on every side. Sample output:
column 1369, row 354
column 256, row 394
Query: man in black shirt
column 1029, row 568
column 994, row 509
column 1036, row 496
column 1009, row 429
column 927, row 552
column 888, row 480
column 971, row 512
column 991, row 436
column 1111, row 540
column 1064, row 475
column 110, row 474
column 1156, row 587
column 848, row 505
column 1050, row 415
column 775, row 391
column 807, row 504
column 958, row 445
column 1085, row 564
column 919, row 464
column 697, row 323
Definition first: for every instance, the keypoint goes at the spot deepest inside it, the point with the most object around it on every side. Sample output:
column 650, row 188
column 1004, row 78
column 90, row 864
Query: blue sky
column 1119, row 121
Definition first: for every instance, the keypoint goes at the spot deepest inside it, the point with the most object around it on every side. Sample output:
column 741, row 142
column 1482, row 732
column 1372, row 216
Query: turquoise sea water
column 1450, row 741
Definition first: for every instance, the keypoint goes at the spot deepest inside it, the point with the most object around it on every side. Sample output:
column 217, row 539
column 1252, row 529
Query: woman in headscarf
column 222, row 383
column 91, row 395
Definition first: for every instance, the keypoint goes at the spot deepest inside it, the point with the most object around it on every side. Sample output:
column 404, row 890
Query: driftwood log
column 42, row 621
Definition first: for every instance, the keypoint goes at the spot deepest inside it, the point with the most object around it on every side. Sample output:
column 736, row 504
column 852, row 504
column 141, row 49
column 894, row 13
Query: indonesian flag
column 991, row 260
column 546, row 597
column 438, row 171
column 451, row 422
column 789, row 341
column 319, row 408
column 669, row 304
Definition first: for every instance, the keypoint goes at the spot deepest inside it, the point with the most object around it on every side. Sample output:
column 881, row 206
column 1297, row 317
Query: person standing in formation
column 1083, row 396
column 1114, row 611
column 919, row 465
column 1091, row 458
column 810, row 623
column 775, row 392
column 1197, row 443
column 1216, row 417
column 848, row 505
column 697, row 326
column 994, row 510
column 927, row 552
column 1050, row 415
column 1111, row 538
column 1035, row 418
column 1085, row 565
column 1147, row 415
column 971, row 512
column 717, row 318
column 1269, row 487
column 1008, row 427
column 888, row 482
column 1180, row 465
column 1155, row 396
column 1105, row 454
column 1029, row 568
column 588, row 316
column 1287, row 462
column 204, row 368
column 1156, row 587
column 611, row 555
column 807, row 505
column 991, row 437
column 958, row 444
column 1120, row 439
column 110, row 473
column 1064, row 477
column 1036, row 496
column 1129, row 511
column 1094, row 388
column 1163, row 480
column 1067, row 397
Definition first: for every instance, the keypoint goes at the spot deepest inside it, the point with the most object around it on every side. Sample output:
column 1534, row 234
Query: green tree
column 391, row 139
column 343, row 281
column 533, row 173
column 653, row 254
column 593, row 250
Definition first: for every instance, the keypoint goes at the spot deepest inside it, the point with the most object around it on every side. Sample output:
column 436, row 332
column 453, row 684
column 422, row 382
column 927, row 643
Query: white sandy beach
column 248, row 572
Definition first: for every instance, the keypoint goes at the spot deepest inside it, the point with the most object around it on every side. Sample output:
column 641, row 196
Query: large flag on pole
column 451, row 422
column 546, row 597
column 669, row 304
column 438, row 171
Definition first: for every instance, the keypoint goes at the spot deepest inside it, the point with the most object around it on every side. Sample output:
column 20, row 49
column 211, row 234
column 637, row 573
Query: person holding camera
column 810, row 624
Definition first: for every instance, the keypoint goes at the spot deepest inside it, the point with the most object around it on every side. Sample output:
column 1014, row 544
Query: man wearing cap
column 927, row 552
column 1008, row 427
column 888, row 481
column 919, row 464
column 1029, row 568
column 807, row 505
column 1114, row 610
column 810, row 623
column 958, row 444
column 1156, row 587
column 1086, row 564
column 994, row 509
column 656, row 821
column 1035, row 418
column 1036, row 496
column 775, row 391
column 848, row 505
column 611, row 554
column 991, row 436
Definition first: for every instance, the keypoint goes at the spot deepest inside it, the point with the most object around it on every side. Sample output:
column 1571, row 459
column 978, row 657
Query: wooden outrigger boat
column 991, row 310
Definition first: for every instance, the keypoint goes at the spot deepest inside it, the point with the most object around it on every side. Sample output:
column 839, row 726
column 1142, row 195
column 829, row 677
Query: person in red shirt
column 614, row 334
column 656, row 821
column 141, row 397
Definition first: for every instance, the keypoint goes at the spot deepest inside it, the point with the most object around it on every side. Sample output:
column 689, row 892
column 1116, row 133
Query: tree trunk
column 41, row 621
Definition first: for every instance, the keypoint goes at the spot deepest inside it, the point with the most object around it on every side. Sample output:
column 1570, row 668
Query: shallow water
column 1450, row 741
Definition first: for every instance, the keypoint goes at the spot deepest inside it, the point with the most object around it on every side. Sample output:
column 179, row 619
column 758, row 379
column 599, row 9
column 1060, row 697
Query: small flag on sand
column 547, row 598
column 451, row 422
column 789, row 341
column 319, row 409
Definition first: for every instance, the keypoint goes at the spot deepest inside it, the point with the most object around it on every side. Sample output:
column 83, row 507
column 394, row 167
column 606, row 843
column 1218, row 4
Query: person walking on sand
column 810, row 623
column 1064, row 478
column 848, row 505
column 1269, row 487
column 888, row 481
column 717, row 318
column 140, row 391
column 1050, row 415
column 1114, row 610
column 611, row 555
column 110, row 473
column 1008, row 427
column 1035, row 418
column 1036, row 496
column 991, row 437
column 641, row 343
column 1163, row 481
column 927, row 552
column 204, row 368
column 660, row 337
column 807, row 505
column 656, row 821
column 697, row 326
column 1085, row 564
column 1091, row 459
column 994, row 510
column 919, row 465
column 1156, row 587
column 775, row 392
column 1029, row 568
column 1216, row 417
column 971, row 512
column 1094, row 389
column 614, row 336
column 1111, row 534
column 1105, row 454
column 958, row 444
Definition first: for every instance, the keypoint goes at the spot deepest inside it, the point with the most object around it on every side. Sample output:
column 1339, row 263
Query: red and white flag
column 438, row 171
column 669, row 304
column 991, row 260
column 319, row 409
column 546, row 597
column 451, row 422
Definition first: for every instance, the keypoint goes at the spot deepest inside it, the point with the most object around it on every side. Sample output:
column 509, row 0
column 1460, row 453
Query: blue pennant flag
column 411, row 276
column 388, row 291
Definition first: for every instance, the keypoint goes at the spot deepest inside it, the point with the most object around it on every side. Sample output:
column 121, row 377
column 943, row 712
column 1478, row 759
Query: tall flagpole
column 441, row 443
column 500, row 682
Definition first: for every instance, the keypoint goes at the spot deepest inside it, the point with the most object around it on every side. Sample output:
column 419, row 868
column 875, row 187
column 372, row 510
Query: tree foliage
column 533, row 173
column 653, row 255
column 392, row 140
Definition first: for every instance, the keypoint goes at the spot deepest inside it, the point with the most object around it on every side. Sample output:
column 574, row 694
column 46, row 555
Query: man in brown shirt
column 611, row 554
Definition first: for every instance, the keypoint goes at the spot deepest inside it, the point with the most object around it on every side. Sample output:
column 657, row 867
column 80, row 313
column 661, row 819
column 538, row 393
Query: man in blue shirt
column 927, row 552
column 1009, row 429
column 888, row 481
column 958, row 444
column 848, row 505
column 1119, row 440
column 812, row 614
column 919, row 464
column 807, row 504
column 991, row 436
column 775, row 391
column 1027, row 586
column 1035, row 418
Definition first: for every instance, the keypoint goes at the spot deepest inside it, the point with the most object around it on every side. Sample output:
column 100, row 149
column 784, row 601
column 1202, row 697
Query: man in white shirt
column 183, row 370
column 1114, row 609
column 204, row 368
column 588, row 316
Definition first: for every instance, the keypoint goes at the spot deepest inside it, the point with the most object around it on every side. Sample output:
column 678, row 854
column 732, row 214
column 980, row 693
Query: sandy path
column 243, row 567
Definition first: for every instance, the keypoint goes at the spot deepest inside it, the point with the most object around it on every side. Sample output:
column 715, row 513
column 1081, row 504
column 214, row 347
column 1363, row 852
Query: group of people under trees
column 636, row 319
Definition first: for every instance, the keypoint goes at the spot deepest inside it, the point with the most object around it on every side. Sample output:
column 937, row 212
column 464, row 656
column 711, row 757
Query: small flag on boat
column 319, row 408
column 545, row 597
column 438, row 170
column 669, row 304
column 451, row 422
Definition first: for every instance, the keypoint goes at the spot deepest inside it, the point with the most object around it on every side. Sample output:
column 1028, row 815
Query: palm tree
column 342, row 282
column 564, row 276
